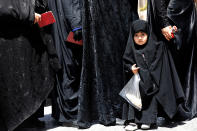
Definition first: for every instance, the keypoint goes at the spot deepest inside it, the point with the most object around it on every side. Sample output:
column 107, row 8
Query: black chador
column 105, row 32
column 65, row 96
column 159, row 84
column 27, row 54
column 182, row 14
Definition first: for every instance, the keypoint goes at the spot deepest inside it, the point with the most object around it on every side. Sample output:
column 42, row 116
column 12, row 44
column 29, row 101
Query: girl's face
column 140, row 38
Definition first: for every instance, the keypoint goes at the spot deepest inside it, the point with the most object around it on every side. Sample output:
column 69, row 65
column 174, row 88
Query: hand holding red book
column 71, row 39
column 47, row 18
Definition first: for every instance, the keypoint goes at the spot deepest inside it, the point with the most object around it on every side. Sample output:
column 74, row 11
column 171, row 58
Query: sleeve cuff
column 78, row 28
column 165, row 23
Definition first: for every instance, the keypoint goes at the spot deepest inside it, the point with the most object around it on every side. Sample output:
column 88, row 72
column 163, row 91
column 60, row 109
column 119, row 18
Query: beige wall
column 142, row 9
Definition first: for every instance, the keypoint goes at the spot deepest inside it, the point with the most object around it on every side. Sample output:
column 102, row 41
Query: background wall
column 142, row 9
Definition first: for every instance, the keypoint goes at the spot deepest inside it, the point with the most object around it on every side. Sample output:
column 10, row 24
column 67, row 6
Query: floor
column 51, row 125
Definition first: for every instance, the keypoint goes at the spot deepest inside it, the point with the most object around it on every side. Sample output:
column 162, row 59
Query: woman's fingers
column 167, row 32
column 37, row 18
column 167, row 36
column 175, row 28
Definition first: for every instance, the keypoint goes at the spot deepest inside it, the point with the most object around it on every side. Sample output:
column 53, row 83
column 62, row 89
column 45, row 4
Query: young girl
column 159, row 84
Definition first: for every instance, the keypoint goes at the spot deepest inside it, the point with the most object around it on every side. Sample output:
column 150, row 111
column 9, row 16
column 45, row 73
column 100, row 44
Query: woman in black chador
column 27, row 54
column 65, row 94
column 105, row 32
column 162, row 15
column 159, row 84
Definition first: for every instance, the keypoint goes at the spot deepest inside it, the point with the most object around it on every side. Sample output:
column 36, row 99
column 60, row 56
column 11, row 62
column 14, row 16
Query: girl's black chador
column 159, row 85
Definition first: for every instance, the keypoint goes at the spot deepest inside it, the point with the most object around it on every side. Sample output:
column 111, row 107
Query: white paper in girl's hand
column 131, row 92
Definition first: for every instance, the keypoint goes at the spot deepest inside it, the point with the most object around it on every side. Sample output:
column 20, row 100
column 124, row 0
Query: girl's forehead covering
column 139, row 25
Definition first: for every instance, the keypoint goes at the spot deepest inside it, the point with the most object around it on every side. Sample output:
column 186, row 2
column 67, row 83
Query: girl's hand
column 135, row 69
column 37, row 18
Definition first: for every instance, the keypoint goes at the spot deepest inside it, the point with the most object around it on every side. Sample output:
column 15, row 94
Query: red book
column 72, row 40
column 47, row 18
column 172, row 35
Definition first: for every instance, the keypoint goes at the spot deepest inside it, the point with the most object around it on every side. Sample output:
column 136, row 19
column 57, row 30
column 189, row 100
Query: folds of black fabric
column 182, row 14
column 105, row 32
column 26, row 77
column 159, row 83
column 65, row 99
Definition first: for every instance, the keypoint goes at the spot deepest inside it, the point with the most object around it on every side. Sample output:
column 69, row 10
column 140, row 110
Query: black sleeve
column 127, row 70
column 161, row 8
column 21, row 10
column 41, row 6
column 134, row 5
column 128, row 57
column 72, row 12
column 128, row 61
column 127, row 66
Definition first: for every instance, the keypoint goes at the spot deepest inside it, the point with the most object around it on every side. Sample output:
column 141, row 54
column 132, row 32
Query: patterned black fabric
column 182, row 14
column 159, row 84
column 162, row 13
column 26, row 59
column 105, row 33
column 65, row 96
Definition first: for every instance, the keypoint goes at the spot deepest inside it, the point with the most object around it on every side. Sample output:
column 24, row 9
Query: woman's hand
column 37, row 18
column 175, row 28
column 167, row 32
column 135, row 69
